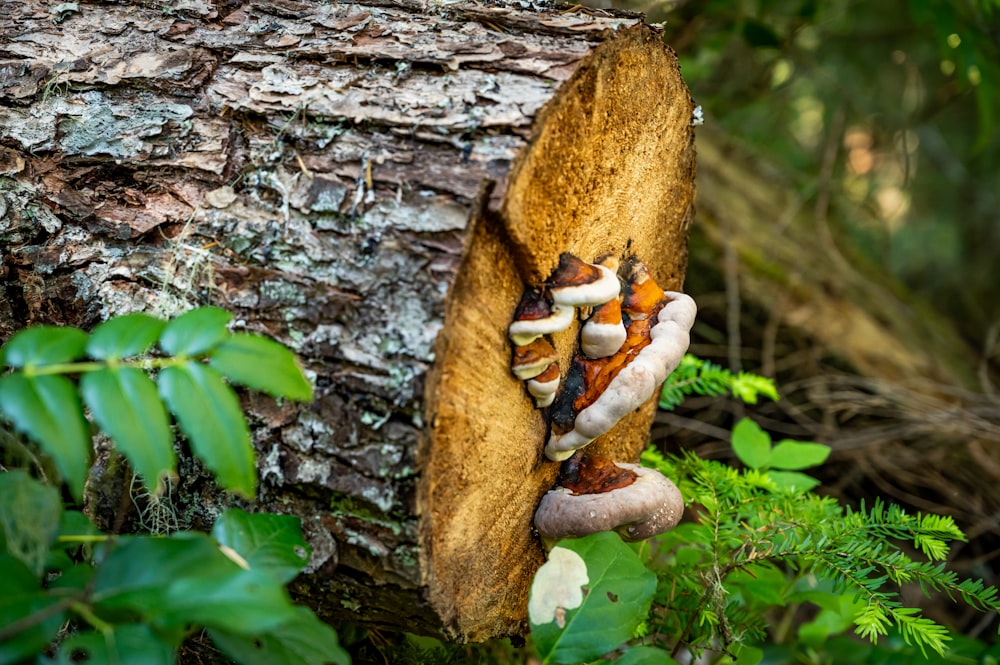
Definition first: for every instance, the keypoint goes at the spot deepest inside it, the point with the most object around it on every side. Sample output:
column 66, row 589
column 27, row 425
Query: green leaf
column 45, row 345
column 303, row 640
column 761, row 584
column 748, row 655
column 269, row 542
column 262, row 364
column 793, row 481
column 751, row 444
column 195, row 332
column 125, row 403
column 74, row 524
column 645, row 656
column 210, row 415
column 48, row 410
column 588, row 598
column 186, row 579
column 29, row 518
column 127, row 644
column 794, row 455
column 124, row 336
column 22, row 600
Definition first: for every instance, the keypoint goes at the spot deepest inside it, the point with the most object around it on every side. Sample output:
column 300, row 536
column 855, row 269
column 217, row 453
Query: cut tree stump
column 373, row 184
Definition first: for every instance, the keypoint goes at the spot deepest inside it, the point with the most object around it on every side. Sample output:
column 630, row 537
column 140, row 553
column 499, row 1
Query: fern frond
column 695, row 376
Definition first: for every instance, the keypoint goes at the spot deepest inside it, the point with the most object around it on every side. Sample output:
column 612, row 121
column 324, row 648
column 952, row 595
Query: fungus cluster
column 633, row 336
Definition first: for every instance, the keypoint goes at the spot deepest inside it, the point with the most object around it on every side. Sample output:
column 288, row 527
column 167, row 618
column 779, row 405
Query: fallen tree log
column 373, row 184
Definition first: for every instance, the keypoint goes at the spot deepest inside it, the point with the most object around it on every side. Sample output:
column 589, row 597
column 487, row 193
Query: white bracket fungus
column 647, row 505
column 633, row 339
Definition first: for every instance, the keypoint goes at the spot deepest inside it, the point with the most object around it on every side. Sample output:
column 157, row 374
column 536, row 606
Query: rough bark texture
column 373, row 184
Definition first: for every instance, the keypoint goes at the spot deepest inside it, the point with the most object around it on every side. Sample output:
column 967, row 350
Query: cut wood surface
column 373, row 184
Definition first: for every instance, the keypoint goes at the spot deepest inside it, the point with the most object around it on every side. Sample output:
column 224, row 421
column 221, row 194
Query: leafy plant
column 588, row 598
column 197, row 352
column 133, row 599
column 695, row 376
column 762, row 544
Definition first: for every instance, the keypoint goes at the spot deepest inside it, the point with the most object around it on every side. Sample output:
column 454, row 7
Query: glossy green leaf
column 748, row 655
column 588, row 598
column 181, row 580
column 195, row 332
column 794, row 455
column 47, row 409
column 124, row 336
column 45, row 345
column 127, row 644
column 645, row 656
column 793, row 481
column 265, row 541
column 23, row 601
column 303, row 640
column 751, row 444
column 125, row 403
column 29, row 518
column 210, row 415
column 262, row 364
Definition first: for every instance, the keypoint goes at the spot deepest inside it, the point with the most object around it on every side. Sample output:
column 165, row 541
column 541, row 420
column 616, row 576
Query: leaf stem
column 145, row 363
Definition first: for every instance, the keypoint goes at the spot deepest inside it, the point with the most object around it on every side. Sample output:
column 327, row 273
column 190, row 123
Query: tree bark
column 373, row 184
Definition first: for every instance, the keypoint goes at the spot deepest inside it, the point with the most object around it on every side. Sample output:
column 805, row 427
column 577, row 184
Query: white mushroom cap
column 525, row 331
column 576, row 283
column 636, row 382
column 532, row 359
column 544, row 386
column 603, row 333
column 649, row 506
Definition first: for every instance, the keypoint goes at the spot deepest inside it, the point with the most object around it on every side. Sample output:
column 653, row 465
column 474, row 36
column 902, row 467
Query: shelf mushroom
column 599, row 495
column 532, row 359
column 535, row 316
column 604, row 333
column 599, row 393
column 544, row 386
column 576, row 283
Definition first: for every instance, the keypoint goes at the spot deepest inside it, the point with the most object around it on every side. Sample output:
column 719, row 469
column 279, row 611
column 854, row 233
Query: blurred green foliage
column 890, row 106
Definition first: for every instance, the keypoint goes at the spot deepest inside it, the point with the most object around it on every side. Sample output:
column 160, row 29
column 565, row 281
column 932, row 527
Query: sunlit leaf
column 209, row 413
column 124, row 336
column 794, row 455
column 615, row 592
column 265, row 541
column 793, row 481
column 47, row 409
column 125, row 403
column 44, row 345
column 751, row 444
column 262, row 364
column 194, row 332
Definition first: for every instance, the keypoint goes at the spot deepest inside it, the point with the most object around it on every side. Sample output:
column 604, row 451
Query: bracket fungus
column 535, row 316
column 600, row 392
column 596, row 495
column 604, row 332
column 544, row 386
column 532, row 359
column 576, row 283
column 632, row 339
